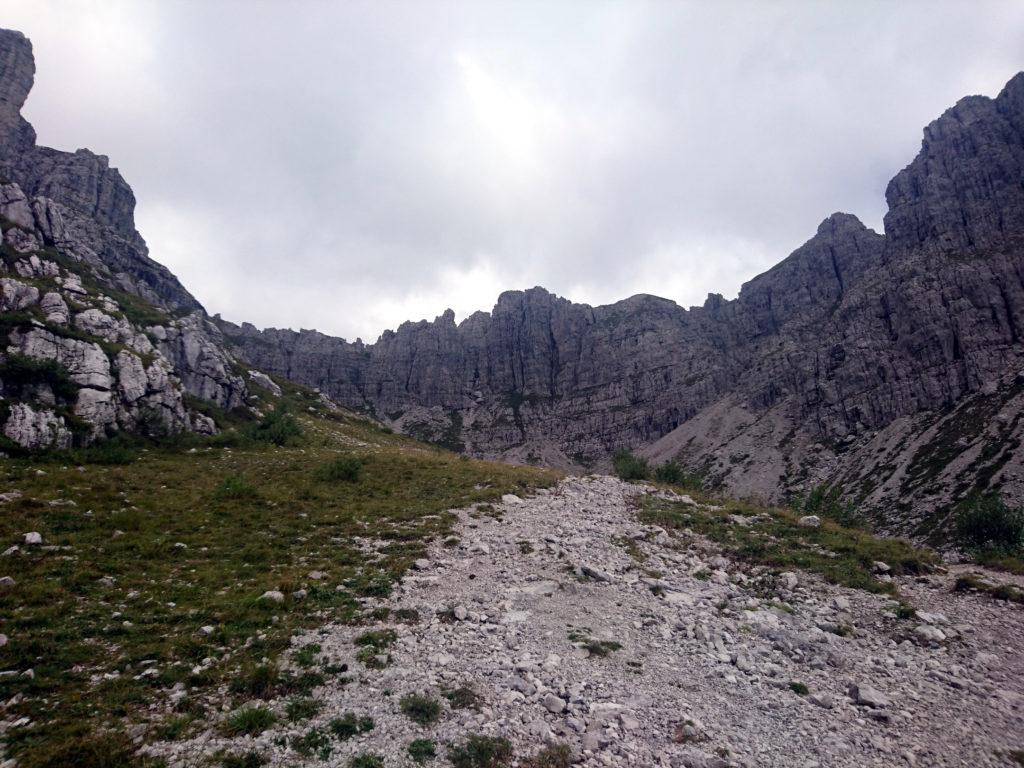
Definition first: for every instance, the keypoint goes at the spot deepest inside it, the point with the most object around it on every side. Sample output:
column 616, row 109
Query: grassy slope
column 774, row 538
column 93, row 644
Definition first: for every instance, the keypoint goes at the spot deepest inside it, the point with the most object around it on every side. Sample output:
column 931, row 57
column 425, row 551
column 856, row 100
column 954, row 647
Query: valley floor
column 562, row 618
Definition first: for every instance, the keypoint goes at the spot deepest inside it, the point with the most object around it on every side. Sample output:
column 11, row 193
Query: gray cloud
column 347, row 166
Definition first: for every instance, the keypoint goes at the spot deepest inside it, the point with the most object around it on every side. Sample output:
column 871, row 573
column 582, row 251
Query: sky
column 347, row 166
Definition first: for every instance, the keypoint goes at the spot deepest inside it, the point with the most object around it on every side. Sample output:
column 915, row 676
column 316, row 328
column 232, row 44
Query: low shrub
column 421, row 709
column 343, row 469
column 348, row 725
column 986, row 522
column 629, row 466
column 279, row 427
column 422, row 750
column 481, row 752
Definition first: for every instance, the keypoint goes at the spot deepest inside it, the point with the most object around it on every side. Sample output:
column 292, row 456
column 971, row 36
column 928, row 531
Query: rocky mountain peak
column 962, row 194
column 17, row 72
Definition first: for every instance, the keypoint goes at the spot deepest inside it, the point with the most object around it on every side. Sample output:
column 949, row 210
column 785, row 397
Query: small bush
column 249, row 721
column 345, row 469
column 986, row 522
column 422, row 750
column 278, row 427
column 366, row 760
column 669, row 472
column 629, row 466
column 799, row 688
column 348, row 725
column 421, row 709
column 481, row 752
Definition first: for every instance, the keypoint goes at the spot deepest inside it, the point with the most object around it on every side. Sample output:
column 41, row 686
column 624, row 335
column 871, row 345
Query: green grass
column 366, row 760
column 551, row 756
column 421, row 709
column 118, row 590
column 600, row 648
column 841, row 555
column 422, row 750
column 249, row 759
column 249, row 721
column 302, row 709
column 349, row 725
column 1006, row 592
column 481, row 752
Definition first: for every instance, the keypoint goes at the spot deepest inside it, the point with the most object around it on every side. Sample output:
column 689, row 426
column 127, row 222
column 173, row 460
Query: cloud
column 350, row 166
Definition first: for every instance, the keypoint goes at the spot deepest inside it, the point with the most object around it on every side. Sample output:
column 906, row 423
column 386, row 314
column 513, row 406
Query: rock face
column 853, row 339
column 96, row 337
column 82, row 205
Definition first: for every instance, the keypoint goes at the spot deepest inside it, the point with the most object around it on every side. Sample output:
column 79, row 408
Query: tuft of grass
column 481, row 752
column 799, row 688
column 462, row 697
column 366, row 760
column 1006, row 592
column 841, row 555
column 306, row 656
column 343, row 469
column 407, row 615
column 422, row 750
column 349, row 725
column 629, row 466
column 313, row 743
column 251, row 759
column 600, row 648
column 302, row 709
column 421, row 709
column 236, row 487
column 551, row 756
column 248, row 721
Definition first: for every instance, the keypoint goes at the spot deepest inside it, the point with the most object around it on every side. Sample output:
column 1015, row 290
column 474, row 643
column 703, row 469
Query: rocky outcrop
column 79, row 204
column 96, row 337
column 773, row 393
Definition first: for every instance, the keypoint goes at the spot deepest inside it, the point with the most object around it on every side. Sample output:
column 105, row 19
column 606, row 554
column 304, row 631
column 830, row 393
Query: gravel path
column 697, row 661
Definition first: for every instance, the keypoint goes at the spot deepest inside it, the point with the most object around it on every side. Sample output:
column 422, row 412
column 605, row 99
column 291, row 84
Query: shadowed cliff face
column 91, row 206
column 767, row 393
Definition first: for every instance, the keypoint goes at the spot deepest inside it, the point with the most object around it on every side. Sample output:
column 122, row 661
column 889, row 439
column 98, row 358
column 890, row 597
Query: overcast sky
column 346, row 166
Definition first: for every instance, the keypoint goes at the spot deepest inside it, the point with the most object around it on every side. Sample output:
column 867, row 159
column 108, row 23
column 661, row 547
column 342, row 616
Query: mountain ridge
column 779, row 392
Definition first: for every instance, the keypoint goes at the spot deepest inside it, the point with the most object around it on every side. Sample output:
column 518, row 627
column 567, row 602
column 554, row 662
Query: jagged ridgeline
column 97, row 338
column 882, row 368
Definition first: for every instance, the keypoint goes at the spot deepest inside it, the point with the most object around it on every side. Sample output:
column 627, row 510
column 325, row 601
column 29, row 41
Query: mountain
column 878, row 370
column 882, row 368
column 97, row 338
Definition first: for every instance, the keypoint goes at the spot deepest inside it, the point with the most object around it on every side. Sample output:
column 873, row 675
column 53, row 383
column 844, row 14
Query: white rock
column 273, row 596
column 33, row 537
column 809, row 521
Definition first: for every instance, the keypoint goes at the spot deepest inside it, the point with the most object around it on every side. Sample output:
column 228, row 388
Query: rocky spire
column 17, row 71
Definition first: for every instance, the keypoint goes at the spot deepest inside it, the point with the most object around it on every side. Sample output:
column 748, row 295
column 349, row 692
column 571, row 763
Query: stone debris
column 650, row 663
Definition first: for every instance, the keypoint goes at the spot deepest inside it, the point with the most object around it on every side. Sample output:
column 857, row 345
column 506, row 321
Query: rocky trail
column 570, row 622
